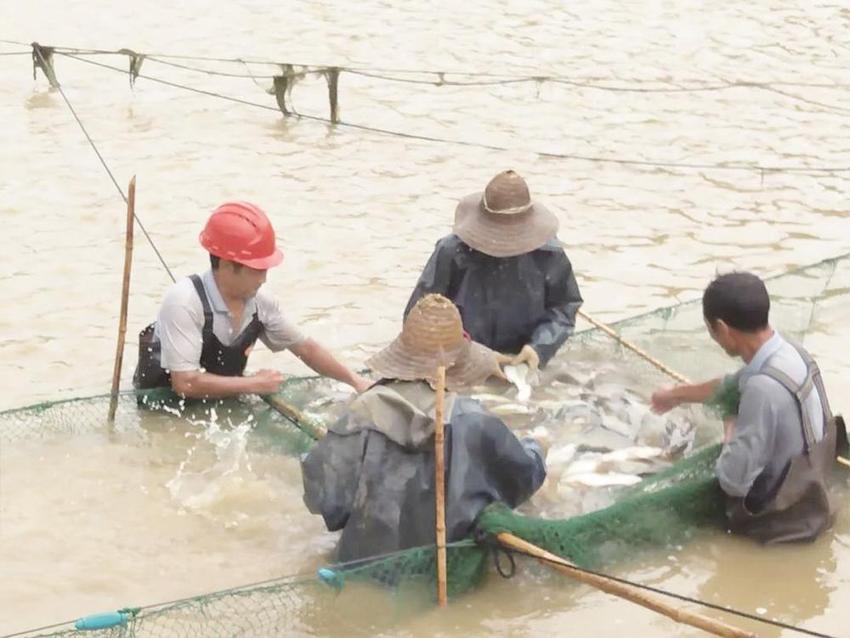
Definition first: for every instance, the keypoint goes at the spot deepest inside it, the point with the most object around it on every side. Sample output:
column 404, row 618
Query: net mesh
column 667, row 509
column 291, row 606
column 661, row 511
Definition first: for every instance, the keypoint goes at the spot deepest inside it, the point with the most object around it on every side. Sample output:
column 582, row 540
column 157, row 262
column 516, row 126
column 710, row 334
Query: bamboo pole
column 634, row 348
column 301, row 420
column 125, row 294
column 440, row 485
column 628, row 592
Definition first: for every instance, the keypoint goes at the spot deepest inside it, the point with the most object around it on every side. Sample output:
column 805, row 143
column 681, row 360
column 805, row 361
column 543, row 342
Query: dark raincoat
column 506, row 302
column 372, row 476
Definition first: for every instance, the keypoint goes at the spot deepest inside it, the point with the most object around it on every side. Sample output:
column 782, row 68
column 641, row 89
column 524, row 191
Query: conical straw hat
column 433, row 336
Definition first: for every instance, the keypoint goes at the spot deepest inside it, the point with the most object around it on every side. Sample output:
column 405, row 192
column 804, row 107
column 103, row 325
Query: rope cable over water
column 689, row 599
column 802, row 170
column 440, row 80
column 108, row 170
column 391, row 74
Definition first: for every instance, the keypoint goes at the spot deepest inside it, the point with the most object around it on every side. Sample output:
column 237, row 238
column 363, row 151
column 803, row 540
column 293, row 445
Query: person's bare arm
column 669, row 398
column 322, row 361
column 196, row 384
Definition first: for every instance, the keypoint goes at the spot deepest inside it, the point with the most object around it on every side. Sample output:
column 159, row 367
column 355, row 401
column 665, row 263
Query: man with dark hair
column 208, row 324
column 507, row 273
column 780, row 445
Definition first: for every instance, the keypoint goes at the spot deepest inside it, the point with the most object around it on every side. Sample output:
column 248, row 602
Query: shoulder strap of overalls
column 800, row 392
column 208, row 316
column 817, row 379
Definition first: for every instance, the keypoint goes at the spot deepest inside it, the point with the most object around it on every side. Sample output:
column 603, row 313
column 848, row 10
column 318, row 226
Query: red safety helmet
column 241, row 232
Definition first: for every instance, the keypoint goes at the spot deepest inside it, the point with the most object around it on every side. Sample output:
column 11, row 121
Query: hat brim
column 503, row 235
column 469, row 365
column 263, row 263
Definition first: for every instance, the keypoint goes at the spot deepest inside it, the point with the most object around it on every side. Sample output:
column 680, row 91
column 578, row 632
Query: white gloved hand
column 503, row 359
column 528, row 355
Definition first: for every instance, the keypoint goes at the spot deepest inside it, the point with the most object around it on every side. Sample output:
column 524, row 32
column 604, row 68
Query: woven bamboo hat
column 503, row 221
column 432, row 336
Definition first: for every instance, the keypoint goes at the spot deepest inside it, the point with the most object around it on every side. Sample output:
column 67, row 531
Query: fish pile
column 599, row 433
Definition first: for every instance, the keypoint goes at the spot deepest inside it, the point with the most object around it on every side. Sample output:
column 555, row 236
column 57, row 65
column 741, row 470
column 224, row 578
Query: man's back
column 373, row 475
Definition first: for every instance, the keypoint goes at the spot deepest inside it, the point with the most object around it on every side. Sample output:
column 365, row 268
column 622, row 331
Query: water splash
column 213, row 463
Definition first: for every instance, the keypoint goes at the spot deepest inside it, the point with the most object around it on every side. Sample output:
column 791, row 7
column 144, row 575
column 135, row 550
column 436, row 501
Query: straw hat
column 432, row 336
column 503, row 221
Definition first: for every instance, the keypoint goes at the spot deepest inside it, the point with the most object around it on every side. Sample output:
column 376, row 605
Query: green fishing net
column 667, row 509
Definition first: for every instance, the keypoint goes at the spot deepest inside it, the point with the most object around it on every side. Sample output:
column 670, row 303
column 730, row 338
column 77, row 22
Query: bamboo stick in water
column 634, row 348
column 440, row 485
column 125, row 294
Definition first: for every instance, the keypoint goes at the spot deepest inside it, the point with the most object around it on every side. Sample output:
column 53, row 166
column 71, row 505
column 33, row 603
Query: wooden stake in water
column 440, row 485
column 125, row 294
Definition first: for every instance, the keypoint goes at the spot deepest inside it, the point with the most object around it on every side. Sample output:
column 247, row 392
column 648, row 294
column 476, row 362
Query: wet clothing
column 194, row 331
column 774, row 468
column 506, row 302
column 372, row 476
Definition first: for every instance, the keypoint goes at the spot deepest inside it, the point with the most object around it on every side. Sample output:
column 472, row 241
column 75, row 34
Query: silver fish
column 587, row 464
column 576, row 378
column 612, row 423
column 513, row 408
column 593, row 479
column 561, row 456
column 522, row 378
column 568, row 389
column 486, row 397
column 638, row 460
column 638, row 452
column 618, row 467
column 679, row 436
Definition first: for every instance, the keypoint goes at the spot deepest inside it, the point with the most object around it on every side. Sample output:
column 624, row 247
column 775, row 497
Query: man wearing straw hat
column 507, row 273
column 208, row 324
column 372, row 476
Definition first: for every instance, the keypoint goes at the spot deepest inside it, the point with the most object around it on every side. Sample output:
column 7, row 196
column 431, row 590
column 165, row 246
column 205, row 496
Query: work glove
column 528, row 355
column 501, row 360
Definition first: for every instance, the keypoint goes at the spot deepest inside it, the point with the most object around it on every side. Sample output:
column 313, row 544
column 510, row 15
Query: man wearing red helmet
column 208, row 324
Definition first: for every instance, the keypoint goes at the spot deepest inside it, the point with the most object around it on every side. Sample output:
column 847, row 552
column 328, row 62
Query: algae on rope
column 136, row 60
column 332, row 77
column 42, row 58
column 282, row 87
